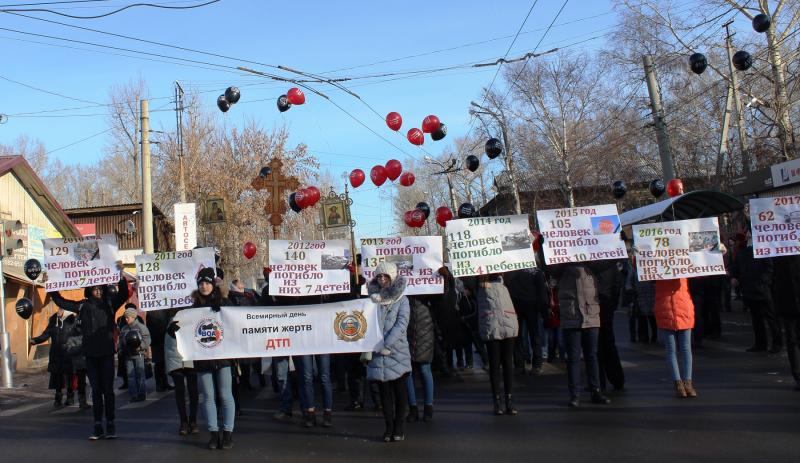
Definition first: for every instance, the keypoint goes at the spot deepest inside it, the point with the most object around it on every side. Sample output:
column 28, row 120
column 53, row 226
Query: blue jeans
column 136, row 378
column 424, row 370
column 306, row 370
column 224, row 384
column 285, row 386
column 585, row 338
column 683, row 339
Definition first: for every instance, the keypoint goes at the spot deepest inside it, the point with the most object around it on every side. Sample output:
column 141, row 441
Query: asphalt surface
column 747, row 411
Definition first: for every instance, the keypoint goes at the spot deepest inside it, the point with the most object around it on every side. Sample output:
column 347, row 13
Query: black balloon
column 24, row 308
column 761, row 22
column 264, row 172
column 32, row 268
column 657, row 188
column 425, row 208
column 698, row 63
column 439, row 133
column 494, row 148
column 473, row 162
column 466, row 210
column 112, row 290
column 742, row 60
column 232, row 94
column 223, row 104
column 619, row 189
column 293, row 203
column 283, row 103
column 133, row 342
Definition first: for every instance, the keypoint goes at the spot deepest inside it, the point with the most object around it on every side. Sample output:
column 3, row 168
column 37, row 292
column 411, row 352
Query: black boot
column 227, row 440
column 413, row 414
column 599, row 398
column 510, row 410
column 427, row 414
column 387, row 434
column 574, row 402
column 498, row 407
column 213, row 441
column 309, row 419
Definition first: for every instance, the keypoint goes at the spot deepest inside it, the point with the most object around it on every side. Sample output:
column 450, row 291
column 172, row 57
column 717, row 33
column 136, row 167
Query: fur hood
column 386, row 296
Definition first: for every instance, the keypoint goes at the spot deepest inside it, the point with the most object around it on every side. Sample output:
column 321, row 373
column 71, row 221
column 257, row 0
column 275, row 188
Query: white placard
column 775, row 224
column 185, row 226
column 418, row 258
column 309, row 268
column 482, row 245
column 73, row 263
column 241, row 332
column 679, row 249
column 581, row 234
column 167, row 279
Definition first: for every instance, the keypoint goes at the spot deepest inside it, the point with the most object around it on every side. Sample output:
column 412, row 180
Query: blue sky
column 314, row 36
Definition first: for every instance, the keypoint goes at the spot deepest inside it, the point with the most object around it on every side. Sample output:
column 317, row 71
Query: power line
column 151, row 5
column 47, row 91
column 14, row 5
column 79, row 141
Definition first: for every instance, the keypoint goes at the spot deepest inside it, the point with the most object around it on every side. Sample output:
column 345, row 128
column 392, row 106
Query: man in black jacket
column 754, row 277
column 96, row 318
column 531, row 299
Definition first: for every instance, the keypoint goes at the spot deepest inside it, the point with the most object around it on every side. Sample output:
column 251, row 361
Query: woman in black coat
column 58, row 363
column 421, row 340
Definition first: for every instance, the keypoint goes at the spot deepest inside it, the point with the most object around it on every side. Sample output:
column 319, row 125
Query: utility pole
column 739, row 112
column 147, row 187
column 722, row 153
column 667, row 169
column 6, row 374
column 447, row 170
column 179, row 136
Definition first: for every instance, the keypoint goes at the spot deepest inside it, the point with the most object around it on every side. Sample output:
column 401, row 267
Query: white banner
column 73, row 263
column 775, row 224
column 418, row 258
column 241, row 332
column 167, row 279
column 309, row 268
column 483, row 245
column 581, row 234
column 679, row 249
column 185, row 226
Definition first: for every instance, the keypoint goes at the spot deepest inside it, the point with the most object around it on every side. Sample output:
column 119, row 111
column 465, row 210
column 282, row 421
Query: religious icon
column 215, row 210
column 333, row 213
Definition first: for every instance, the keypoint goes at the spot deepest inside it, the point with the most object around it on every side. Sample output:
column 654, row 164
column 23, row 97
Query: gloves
column 173, row 328
column 215, row 308
column 385, row 352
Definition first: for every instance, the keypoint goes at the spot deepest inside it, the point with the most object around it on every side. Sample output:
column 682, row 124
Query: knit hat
column 386, row 268
column 207, row 275
column 131, row 312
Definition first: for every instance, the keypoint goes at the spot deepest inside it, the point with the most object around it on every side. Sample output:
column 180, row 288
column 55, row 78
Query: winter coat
column 215, row 299
column 96, row 318
column 172, row 358
column 241, row 299
column 786, row 286
column 157, row 321
column 674, row 309
column 496, row 316
column 393, row 315
column 640, row 293
column 578, row 302
column 144, row 333
column 754, row 275
column 445, row 313
column 57, row 330
column 421, row 333
column 529, row 292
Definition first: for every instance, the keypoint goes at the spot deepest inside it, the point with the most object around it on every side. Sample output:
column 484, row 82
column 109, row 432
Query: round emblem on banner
column 208, row 333
column 350, row 327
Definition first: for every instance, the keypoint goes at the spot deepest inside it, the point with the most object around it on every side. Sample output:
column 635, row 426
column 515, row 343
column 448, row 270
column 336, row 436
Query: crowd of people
column 514, row 322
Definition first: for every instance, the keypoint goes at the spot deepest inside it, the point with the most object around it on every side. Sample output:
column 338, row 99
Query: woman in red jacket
column 674, row 313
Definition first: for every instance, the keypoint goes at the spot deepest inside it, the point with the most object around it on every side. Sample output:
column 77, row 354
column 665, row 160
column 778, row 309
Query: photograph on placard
column 87, row 250
column 402, row 261
column 516, row 240
column 605, row 224
column 707, row 241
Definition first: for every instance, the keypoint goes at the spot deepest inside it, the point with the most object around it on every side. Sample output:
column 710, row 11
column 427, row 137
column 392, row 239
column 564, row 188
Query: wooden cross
column 276, row 184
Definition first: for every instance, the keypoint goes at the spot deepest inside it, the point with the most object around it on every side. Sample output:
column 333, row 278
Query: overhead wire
column 133, row 5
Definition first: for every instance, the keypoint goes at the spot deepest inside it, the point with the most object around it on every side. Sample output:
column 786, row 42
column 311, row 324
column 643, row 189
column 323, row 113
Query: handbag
column 148, row 369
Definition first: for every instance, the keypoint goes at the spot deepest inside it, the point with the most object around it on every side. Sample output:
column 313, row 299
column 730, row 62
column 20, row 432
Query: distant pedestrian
column 59, row 363
column 674, row 313
column 134, row 340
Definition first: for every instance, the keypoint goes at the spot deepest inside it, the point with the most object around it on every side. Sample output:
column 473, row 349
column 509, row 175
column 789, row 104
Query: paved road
column 747, row 411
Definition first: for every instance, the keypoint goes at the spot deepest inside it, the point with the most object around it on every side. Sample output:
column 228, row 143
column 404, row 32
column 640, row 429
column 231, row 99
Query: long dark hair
column 213, row 299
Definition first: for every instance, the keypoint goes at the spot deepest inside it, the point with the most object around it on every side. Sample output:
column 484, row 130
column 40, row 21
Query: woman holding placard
column 498, row 327
column 390, row 364
column 674, row 313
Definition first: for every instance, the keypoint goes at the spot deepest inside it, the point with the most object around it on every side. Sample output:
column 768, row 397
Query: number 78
column 661, row 242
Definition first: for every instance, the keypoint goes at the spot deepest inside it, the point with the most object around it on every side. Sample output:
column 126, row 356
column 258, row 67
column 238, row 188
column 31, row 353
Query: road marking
column 23, row 408
column 151, row 399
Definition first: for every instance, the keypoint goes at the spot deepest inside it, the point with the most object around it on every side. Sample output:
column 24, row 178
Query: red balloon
column 675, row 187
column 315, row 194
column 394, row 121
column 378, row 175
column 393, row 169
column 407, row 179
column 430, row 124
column 357, row 177
column 303, row 198
column 443, row 214
column 296, row 96
column 249, row 250
column 407, row 218
column 417, row 218
column 416, row 137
